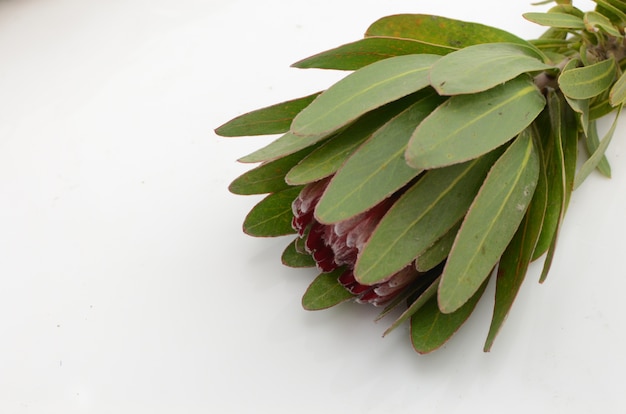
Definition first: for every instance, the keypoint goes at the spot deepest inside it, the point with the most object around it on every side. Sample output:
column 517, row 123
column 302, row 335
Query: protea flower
column 447, row 156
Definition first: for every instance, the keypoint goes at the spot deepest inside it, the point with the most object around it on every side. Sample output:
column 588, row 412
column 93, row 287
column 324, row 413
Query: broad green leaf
column 514, row 262
column 417, row 304
column 438, row 251
column 363, row 52
column 274, row 119
column 326, row 160
column 293, row 258
column 490, row 223
column 430, row 328
column 592, row 163
column 272, row 216
column 596, row 21
column 481, row 67
column 325, row 292
column 424, row 213
column 377, row 169
column 617, row 95
column 569, row 143
column 362, row 91
column 592, row 142
column 439, row 31
column 268, row 177
column 467, row 126
column 557, row 20
column 588, row 81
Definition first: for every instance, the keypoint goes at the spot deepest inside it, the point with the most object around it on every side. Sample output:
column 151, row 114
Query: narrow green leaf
column 514, row 262
column 592, row 142
column 588, row 81
column 272, row 216
column 359, row 129
column 610, row 9
column 293, row 258
column 557, row 20
column 377, row 169
column 617, row 95
column 285, row 145
column 417, row 304
column 274, row 119
column 268, row 177
column 596, row 21
column 438, row 251
column 592, row 163
column 490, row 223
column 362, row 91
column 481, row 67
column 355, row 55
column 423, row 214
column 430, row 328
column 439, row 31
column 467, row 126
column 325, row 292
column 326, row 160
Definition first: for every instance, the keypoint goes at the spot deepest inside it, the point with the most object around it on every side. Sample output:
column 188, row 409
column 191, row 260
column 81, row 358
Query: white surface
column 127, row 286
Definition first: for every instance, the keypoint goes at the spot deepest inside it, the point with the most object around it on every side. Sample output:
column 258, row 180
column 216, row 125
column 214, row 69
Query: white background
column 126, row 284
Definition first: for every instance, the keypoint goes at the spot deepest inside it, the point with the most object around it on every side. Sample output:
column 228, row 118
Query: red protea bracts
column 336, row 245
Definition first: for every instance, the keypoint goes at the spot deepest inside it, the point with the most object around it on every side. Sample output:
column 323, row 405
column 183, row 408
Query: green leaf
column 293, row 258
column 415, row 306
column 362, row 91
column 592, row 163
column 467, row 126
column 612, row 9
column 514, row 262
column 439, row 31
column 557, row 20
column 272, row 216
column 596, row 21
column 438, row 251
column 358, row 130
column 592, row 142
column 274, row 119
column 490, row 223
column 430, row 328
column 285, row 145
column 267, row 178
column 377, row 169
column 588, row 81
column 423, row 214
column 325, row 292
column 481, row 67
column 617, row 95
column 366, row 51
column 326, row 160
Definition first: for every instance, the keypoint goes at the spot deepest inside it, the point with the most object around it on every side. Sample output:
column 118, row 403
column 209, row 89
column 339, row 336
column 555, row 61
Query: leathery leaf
column 445, row 33
column 362, row 91
column 556, row 20
column 423, row 214
column 490, row 223
column 516, row 258
column 377, row 169
column 274, row 119
column 431, row 328
column 325, row 291
column 355, row 55
column 466, row 126
column 588, row 81
column 481, row 67
column 293, row 258
column 272, row 216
